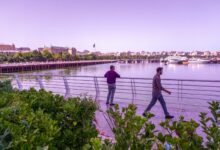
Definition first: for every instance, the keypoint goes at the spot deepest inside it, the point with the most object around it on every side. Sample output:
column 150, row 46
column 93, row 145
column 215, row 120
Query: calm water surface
column 145, row 70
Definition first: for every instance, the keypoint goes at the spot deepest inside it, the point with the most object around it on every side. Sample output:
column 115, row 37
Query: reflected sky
column 144, row 70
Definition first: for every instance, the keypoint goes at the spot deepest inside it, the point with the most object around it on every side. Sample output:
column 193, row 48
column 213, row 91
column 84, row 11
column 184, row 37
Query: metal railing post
column 39, row 80
column 132, row 91
column 20, row 87
column 96, row 88
column 66, row 87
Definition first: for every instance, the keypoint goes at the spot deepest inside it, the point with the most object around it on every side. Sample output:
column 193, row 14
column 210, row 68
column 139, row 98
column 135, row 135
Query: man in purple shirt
column 157, row 94
column 111, row 76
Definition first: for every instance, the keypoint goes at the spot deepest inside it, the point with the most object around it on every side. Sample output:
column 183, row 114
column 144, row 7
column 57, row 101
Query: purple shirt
column 111, row 76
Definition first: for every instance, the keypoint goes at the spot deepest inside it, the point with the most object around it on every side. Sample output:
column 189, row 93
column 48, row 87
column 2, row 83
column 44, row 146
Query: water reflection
column 143, row 70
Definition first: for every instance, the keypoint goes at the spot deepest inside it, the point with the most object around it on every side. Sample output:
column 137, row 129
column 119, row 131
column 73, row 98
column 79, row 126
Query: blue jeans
column 111, row 93
column 162, row 102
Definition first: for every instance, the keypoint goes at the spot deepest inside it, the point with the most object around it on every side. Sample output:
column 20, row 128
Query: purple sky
column 114, row 25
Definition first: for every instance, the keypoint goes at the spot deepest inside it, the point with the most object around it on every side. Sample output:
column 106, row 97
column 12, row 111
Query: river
column 144, row 70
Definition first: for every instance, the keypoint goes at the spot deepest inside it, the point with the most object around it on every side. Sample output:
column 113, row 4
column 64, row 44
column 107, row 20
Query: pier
column 32, row 66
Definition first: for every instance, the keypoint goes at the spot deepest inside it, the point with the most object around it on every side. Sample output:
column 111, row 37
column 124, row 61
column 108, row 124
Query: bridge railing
column 186, row 95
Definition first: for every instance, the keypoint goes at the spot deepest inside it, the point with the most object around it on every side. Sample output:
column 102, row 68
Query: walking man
column 111, row 76
column 157, row 94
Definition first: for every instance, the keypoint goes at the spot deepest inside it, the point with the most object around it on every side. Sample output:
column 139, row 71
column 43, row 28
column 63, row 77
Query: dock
column 33, row 66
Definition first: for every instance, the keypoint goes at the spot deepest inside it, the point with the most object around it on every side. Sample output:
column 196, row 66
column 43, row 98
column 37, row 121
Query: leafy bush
column 211, row 126
column 39, row 119
column 180, row 135
column 5, row 86
column 132, row 131
column 135, row 132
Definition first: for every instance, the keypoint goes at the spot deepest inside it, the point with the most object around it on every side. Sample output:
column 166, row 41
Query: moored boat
column 199, row 61
column 176, row 60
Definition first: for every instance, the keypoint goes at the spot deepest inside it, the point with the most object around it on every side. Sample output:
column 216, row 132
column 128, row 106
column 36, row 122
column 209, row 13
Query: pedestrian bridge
column 188, row 98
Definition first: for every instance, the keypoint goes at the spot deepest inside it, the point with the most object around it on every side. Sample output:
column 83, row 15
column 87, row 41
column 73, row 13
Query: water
column 145, row 70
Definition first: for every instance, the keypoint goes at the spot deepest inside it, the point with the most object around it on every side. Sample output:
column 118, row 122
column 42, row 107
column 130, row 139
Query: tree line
column 44, row 56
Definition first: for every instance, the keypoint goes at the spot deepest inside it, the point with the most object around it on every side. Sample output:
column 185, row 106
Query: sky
column 113, row 25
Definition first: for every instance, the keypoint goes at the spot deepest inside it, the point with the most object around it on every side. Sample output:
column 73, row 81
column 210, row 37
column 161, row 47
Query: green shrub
column 180, row 134
column 132, row 131
column 5, row 86
column 211, row 126
column 33, row 119
column 39, row 119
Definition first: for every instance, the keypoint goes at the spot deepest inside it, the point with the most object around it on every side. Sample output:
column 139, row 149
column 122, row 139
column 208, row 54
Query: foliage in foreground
column 5, row 86
column 40, row 120
column 134, row 132
column 32, row 119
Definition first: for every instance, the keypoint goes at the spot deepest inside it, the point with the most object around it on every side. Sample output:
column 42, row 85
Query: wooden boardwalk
column 32, row 66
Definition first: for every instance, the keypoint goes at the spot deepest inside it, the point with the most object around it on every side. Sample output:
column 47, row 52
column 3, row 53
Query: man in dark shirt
column 157, row 94
column 111, row 76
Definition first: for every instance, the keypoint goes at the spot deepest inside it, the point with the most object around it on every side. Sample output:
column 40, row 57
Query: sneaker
column 144, row 114
column 112, row 104
column 169, row 117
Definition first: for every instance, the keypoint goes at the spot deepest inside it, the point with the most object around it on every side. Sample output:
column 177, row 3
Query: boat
column 199, row 61
column 176, row 59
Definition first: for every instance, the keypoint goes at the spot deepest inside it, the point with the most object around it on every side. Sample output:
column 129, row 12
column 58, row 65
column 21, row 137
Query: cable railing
column 186, row 95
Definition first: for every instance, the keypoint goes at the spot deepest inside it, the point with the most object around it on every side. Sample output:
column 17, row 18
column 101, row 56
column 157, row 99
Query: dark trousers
column 162, row 102
column 111, row 93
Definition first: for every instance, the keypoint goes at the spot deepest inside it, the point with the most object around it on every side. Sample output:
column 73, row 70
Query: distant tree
column 3, row 58
column 18, row 57
column 66, row 56
column 47, row 55
column 37, row 56
column 57, row 57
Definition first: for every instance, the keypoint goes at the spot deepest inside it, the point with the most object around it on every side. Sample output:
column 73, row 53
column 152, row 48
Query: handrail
column 137, row 78
column 132, row 90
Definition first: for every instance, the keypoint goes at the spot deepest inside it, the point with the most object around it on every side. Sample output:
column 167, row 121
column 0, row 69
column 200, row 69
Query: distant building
column 4, row 47
column 216, row 53
column 8, row 49
column 24, row 49
column 163, row 53
column 143, row 53
column 57, row 49
column 85, row 52
column 197, row 53
column 138, row 53
column 207, row 53
column 123, row 54
column 40, row 49
column 97, row 53
column 153, row 53
column 72, row 51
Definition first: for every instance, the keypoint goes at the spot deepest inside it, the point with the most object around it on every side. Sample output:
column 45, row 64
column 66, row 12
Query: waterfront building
column 207, row 54
column 40, row 49
column 23, row 49
column 57, row 49
column 197, row 53
column 8, row 49
column 216, row 53
column 72, row 51
column 85, row 52
column 97, row 53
